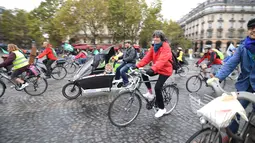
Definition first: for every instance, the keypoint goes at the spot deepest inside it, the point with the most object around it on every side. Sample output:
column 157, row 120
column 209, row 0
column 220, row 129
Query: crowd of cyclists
column 161, row 57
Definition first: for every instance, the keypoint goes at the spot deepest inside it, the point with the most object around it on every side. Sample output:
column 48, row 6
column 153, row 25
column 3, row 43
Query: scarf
column 250, row 46
column 157, row 46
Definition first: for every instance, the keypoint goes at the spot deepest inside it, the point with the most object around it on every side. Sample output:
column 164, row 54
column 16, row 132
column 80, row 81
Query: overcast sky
column 171, row 9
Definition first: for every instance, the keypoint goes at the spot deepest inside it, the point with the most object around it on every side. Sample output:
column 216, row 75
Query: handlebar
column 140, row 71
column 214, row 83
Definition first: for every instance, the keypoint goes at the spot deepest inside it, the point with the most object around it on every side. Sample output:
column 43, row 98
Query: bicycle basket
column 33, row 70
column 197, row 101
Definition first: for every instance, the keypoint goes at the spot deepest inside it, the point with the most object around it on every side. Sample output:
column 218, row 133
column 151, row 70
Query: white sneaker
column 23, row 86
column 149, row 96
column 117, row 81
column 160, row 113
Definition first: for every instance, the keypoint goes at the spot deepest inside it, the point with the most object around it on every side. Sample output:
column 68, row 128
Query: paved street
column 53, row 118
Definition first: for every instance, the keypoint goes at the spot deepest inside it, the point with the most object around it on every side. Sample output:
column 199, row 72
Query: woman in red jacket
column 160, row 54
column 51, row 56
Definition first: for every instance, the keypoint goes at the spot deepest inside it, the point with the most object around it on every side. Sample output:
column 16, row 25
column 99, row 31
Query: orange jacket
column 160, row 59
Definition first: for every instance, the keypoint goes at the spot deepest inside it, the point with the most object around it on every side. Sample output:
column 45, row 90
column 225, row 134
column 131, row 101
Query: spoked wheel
column 71, row 91
column 206, row 135
column 183, row 71
column 59, row 72
column 194, row 83
column 2, row 88
column 124, row 108
column 37, row 86
column 71, row 68
column 171, row 97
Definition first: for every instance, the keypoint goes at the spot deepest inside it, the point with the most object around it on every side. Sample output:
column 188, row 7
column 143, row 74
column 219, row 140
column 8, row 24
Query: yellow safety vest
column 20, row 60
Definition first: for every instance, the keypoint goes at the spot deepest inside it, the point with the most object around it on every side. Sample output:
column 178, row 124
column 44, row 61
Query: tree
column 20, row 28
column 152, row 22
column 46, row 13
column 92, row 18
column 125, row 18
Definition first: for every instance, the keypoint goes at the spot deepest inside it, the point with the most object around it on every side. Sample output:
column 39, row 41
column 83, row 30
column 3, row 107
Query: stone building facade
column 218, row 23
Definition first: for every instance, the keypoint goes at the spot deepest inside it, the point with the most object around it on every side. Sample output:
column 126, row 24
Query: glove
column 150, row 72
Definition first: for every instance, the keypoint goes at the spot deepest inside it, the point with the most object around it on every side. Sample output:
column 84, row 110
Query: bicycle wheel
column 206, row 135
column 171, row 97
column 124, row 108
column 2, row 88
column 71, row 91
column 71, row 68
column 59, row 72
column 37, row 86
column 194, row 83
column 183, row 71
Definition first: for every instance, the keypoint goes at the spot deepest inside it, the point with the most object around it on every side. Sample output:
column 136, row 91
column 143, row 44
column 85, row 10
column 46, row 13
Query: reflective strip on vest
column 20, row 60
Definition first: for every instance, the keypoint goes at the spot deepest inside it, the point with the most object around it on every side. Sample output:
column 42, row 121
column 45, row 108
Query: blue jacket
column 247, row 76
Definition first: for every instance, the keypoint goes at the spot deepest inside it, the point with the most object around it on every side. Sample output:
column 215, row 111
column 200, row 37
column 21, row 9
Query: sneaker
column 149, row 96
column 24, row 85
column 117, row 81
column 160, row 113
column 125, row 84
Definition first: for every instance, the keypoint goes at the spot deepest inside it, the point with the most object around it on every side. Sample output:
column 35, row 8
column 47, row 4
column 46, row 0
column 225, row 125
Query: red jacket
column 212, row 58
column 50, row 54
column 80, row 55
column 160, row 59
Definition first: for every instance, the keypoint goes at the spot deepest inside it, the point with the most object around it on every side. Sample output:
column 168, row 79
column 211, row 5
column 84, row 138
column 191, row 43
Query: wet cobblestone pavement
column 52, row 118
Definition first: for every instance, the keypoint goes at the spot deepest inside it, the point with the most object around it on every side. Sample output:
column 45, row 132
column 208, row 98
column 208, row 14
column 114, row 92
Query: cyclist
column 160, row 54
column 128, row 62
column 20, row 64
column 81, row 56
column 214, row 63
column 180, row 56
column 245, row 55
column 51, row 57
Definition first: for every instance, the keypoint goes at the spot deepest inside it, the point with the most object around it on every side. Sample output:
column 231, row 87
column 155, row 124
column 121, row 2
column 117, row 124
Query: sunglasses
column 251, row 28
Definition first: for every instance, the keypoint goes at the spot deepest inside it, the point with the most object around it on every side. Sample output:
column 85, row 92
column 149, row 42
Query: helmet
column 207, row 47
column 160, row 34
column 251, row 23
column 179, row 48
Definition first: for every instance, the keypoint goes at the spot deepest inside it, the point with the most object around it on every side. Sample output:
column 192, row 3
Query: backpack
column 174, row 61
column 220, row 55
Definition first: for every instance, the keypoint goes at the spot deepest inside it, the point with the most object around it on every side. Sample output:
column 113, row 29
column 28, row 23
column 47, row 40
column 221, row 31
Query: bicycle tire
column 185, row 69
column 34, row 85
column 71, row 68
column 164, row 93
column 67, row 95
column 3, row 86
column 63, row 69
column 123, row 94
column 191, row 139
column 199, row 86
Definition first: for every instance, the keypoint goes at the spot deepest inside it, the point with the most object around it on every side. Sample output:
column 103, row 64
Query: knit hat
column 251, row 23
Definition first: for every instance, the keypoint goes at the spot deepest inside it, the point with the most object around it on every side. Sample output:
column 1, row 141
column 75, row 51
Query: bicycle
column 132, row 96
column 182, row 71
column 196, row 81
column 35, row 83
column 58, row 71
column 211, row 134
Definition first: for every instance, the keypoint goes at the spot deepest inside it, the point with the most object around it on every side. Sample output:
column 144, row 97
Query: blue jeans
column 234, row 125
column 82, row 60
column 122, row 70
